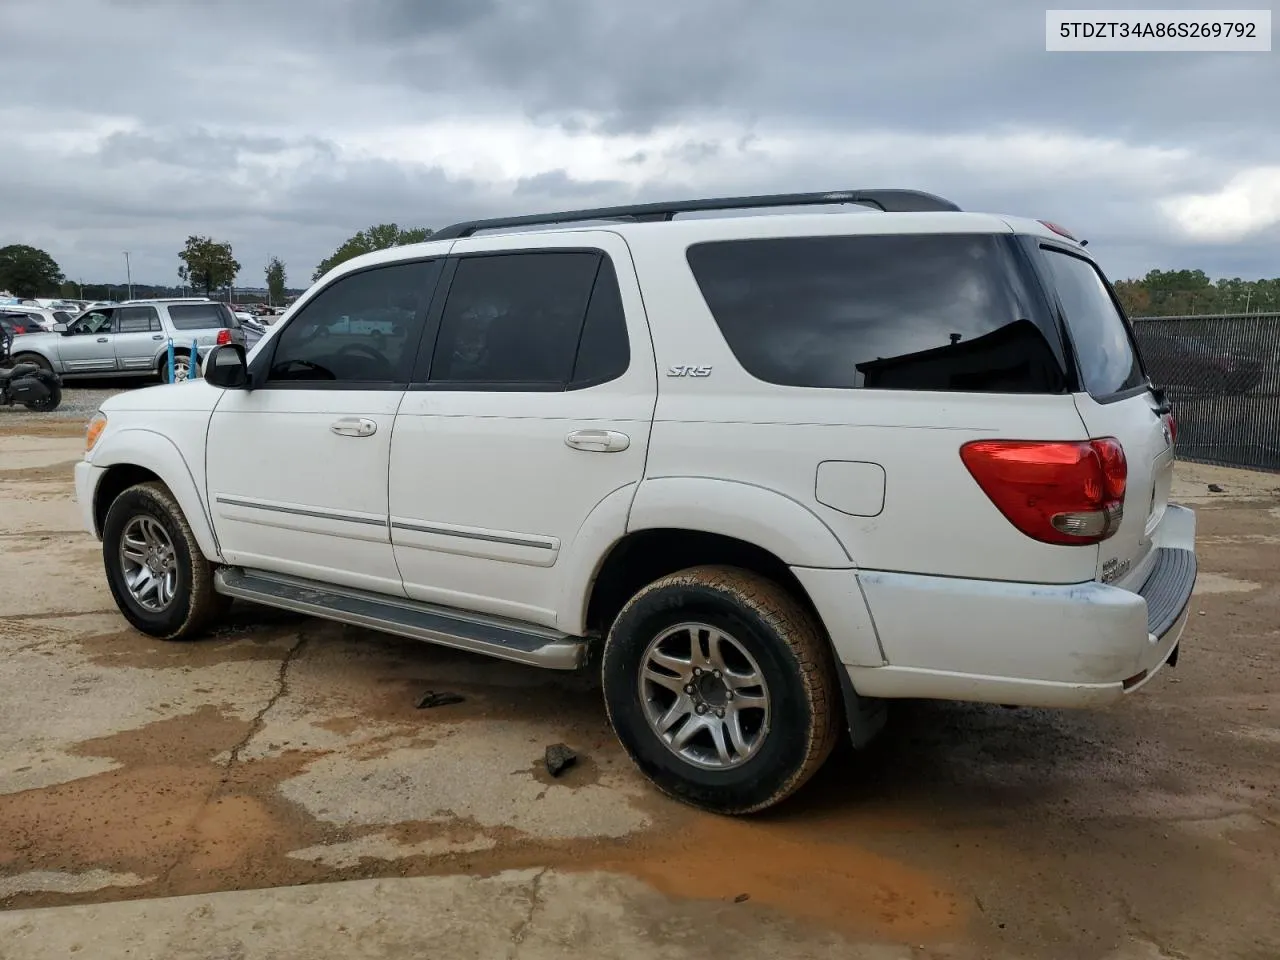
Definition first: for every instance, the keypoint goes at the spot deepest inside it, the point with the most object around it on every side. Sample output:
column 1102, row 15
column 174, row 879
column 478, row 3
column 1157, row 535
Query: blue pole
column 171, row 359
column 194, row 372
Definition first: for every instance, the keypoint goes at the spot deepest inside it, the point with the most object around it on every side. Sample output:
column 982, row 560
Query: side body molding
column 140, row 447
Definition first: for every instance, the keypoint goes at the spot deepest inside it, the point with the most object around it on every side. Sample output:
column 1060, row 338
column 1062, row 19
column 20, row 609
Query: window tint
column 200, row 316
column 514, row 319
column 897, row 312
column 61, row 316
column 364, row 328
column 137, row 320
column 1104, row 349
column 604, row 349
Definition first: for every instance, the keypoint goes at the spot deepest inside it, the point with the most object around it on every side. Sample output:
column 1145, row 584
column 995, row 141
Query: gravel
column 79, row 403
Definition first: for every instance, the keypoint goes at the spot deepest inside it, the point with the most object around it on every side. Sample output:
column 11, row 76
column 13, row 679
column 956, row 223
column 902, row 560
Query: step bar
column 473, row 632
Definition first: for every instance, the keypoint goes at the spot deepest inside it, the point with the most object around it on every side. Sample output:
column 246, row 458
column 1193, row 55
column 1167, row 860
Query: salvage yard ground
column 141, row 784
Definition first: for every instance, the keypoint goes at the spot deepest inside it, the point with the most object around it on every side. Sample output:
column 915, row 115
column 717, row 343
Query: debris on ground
column 1216, row 488
column 742, row 898
column 559, row 758
column 438, row 698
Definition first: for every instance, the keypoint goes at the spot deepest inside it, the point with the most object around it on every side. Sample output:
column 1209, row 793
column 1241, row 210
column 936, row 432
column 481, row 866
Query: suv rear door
column 138, row 338
column 530, row 408
column 1116, row 401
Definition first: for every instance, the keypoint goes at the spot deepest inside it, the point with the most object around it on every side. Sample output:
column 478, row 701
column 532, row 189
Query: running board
column 474, row 632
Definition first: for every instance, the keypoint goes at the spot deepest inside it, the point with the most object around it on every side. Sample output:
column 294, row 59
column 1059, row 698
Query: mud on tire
column 772, row 636
column 148, row 512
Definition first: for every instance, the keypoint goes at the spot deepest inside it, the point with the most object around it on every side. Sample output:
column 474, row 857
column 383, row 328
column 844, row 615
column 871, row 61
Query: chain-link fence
column 1222, row 377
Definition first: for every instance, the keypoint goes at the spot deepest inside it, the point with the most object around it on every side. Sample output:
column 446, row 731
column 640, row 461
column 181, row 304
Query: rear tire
column 181, row 367
column 773, row 734
column 159, row 578
column 51, row 402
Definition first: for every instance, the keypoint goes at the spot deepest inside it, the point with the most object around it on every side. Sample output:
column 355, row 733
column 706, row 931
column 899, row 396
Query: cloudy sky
column 284, row 126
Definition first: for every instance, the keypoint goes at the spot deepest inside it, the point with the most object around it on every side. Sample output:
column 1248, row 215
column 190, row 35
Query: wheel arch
column 138, row 455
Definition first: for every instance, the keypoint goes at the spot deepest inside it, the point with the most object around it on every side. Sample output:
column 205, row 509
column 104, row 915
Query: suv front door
column 88, row 344
column 297, row 467
column 531, row 406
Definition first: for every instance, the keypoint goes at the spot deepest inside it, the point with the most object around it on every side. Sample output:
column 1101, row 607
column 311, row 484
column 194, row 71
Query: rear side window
column 950, row 312
column 201, row 316
column 61, row 316
column 137, row 320
column 1104, row 349
column 515, row 321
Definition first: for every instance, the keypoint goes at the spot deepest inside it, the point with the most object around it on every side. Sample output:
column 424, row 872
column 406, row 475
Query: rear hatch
column 1116, row 401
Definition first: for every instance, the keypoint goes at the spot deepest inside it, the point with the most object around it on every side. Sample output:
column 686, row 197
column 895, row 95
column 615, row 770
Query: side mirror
column 227, row 367
column 59, row 328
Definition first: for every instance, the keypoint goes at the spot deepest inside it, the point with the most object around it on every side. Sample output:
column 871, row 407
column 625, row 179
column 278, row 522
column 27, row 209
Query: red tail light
column 1173, row 428
column 224, row 336
column 1062, row 492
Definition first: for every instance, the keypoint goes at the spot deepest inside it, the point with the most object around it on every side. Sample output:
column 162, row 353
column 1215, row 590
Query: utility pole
column 128, row 272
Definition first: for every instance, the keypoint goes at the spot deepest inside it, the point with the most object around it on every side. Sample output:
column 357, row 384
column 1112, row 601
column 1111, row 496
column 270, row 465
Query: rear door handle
column 598, row 441
column 354, row 427
column 158, row 336
column 102, row 340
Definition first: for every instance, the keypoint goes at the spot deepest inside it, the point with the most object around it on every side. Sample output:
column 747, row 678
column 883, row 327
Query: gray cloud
column 285, row 127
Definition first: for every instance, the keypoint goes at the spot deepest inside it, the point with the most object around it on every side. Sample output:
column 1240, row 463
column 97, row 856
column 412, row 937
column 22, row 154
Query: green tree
column 207, row 264
column 379, row 237
column 275, row 280
column 28, row 271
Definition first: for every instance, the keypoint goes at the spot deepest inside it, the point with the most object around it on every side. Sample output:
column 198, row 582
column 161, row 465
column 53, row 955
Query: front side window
column 949, row 312
column 514, row 319
column 99, row 321
column 363, row 328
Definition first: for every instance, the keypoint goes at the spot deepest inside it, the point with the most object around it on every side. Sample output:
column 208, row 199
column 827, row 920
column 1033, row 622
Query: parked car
column 1188, row 365
column 16, row 324
column 766, row 473
column 132, row 339
column 39, row 318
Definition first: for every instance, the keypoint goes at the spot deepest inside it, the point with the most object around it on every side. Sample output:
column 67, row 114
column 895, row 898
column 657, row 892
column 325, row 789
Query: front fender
column 141, row 447
column 786, row 528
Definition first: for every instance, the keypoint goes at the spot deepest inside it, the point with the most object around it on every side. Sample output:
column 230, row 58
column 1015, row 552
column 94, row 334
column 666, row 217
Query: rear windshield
column 1104, row 348
column 952, row 312
column 201, row 316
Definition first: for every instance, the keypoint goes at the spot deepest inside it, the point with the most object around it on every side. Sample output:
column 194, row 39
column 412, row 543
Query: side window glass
column 97, row 322
column 604, row 351
column 514, row 319
column 364, row 328
column 137, row 320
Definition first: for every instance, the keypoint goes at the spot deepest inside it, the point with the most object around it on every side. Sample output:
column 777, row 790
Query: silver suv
column 132, row 339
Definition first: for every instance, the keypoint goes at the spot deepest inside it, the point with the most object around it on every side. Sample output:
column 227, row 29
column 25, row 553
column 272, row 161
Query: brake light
column 1173, row 428
column 224, row 336
column 1063, row 492
column 1058, row 229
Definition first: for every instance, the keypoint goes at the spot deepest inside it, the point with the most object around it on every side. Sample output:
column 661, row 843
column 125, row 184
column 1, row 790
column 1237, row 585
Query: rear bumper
column 1075, row 645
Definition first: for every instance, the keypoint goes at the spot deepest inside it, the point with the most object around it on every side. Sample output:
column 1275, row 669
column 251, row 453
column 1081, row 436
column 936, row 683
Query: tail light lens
column 224, row 336
column 1062, row 492
column 1173, row 428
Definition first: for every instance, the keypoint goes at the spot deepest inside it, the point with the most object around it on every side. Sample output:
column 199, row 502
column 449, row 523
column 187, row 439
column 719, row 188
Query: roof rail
column 889, row 201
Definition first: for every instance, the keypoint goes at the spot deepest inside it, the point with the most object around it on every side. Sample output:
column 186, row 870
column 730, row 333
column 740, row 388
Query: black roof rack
column 890, row 201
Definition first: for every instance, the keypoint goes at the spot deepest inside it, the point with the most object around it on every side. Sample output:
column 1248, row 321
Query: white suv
column 766, row 472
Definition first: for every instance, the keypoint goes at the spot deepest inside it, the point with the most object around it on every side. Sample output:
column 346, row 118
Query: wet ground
column 286, row 752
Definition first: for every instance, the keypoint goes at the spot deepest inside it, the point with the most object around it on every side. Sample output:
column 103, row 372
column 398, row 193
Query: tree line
column 205, row 265
column 209, row 266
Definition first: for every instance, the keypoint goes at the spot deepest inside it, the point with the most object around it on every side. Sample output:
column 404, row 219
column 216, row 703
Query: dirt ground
column 285, row 751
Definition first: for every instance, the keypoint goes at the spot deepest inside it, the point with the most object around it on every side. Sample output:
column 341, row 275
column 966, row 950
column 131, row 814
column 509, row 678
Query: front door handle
column 354, row 427
column 102, row 340
column 598, row 441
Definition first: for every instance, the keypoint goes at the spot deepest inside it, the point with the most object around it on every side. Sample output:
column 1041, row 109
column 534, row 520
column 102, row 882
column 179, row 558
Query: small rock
column 433, row 698
column 742, row 898
column 1214, row 488
column 559, row 758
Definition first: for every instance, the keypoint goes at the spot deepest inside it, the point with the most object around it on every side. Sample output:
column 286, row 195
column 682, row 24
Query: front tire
column 159, row 578
column 721, row 688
